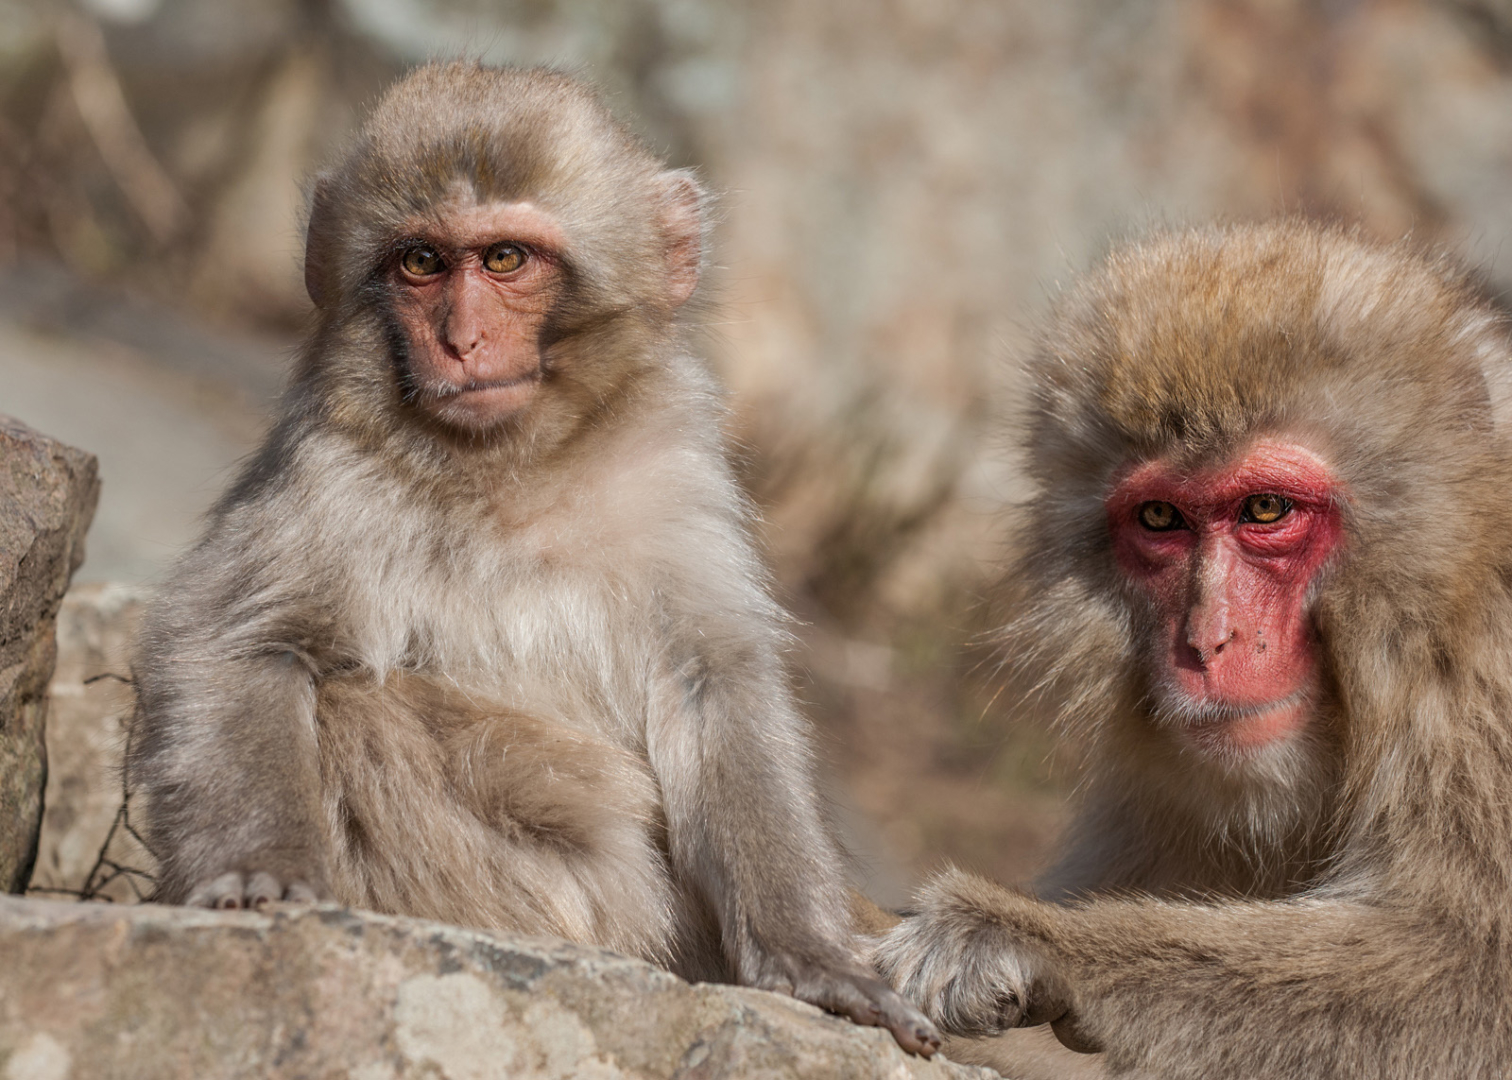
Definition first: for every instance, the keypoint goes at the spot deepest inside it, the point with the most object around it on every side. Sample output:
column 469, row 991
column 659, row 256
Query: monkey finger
column 872, row 1003
column 262, row 889
column 909, row 1026
column 1048, row 1000
column 235, row 890
column 1073, row 1037
column 223, row 892
column 299, row 892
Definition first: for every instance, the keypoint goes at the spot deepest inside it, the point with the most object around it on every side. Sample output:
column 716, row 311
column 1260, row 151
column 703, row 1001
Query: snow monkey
column 480, row 634
column 1267, row 575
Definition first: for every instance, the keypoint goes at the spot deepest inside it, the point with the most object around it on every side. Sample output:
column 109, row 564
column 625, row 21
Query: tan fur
column 439, row 808
column 868, row 918
column 1338, row 906
column 528, row 677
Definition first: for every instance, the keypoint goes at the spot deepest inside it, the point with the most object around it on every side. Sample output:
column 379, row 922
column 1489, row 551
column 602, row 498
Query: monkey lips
column 1227, row 557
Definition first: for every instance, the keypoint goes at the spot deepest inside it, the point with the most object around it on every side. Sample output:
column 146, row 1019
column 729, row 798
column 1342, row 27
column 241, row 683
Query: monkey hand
column 254, row 889
column 958, row 956
column 840, row 985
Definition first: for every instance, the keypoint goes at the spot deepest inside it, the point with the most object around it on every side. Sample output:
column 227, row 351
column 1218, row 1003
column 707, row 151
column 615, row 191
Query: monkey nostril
column 1205, row 653
column 1219, row 647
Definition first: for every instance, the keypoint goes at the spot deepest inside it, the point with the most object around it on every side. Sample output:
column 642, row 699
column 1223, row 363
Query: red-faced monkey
column 1268, row 574
column 479, row 634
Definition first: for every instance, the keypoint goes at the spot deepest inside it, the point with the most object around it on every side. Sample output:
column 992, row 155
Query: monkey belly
column 440, row 806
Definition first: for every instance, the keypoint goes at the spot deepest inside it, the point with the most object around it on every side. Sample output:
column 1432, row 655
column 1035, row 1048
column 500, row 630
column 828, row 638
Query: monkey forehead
column 1209, row 336
column 1274, row 467
column 464, row 223
column 507, row 132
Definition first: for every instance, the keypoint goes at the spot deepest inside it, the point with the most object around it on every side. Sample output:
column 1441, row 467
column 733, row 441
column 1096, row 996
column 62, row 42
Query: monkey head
column 1253, row 488
column 508, row 246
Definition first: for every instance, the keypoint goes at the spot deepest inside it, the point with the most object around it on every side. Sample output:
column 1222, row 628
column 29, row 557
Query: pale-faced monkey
column 480, row 634
column 1268, row 576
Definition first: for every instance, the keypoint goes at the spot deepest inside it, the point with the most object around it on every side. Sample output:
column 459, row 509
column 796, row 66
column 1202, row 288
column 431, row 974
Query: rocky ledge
column 118, row 991
column 48, row 493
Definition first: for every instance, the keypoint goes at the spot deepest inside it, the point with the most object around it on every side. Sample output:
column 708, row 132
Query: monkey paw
column 961, row 964
column 251, row 891
column 838, row 984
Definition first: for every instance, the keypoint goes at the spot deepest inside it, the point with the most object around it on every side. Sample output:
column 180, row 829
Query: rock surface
column 87, row 846
column 95, row 990
column 48, row 493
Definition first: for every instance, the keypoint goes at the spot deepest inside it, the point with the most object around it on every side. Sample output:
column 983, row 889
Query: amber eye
column 422, row 261
column 504, row 258
column 1265, row 509
column 1160, row 516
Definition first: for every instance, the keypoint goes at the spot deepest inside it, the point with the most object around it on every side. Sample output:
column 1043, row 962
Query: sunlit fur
column 527, row 679
column 1336, row 905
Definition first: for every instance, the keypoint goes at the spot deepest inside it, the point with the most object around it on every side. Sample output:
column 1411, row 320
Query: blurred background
column 902, row 185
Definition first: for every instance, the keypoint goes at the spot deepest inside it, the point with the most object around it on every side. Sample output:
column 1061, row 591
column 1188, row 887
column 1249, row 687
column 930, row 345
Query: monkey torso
column 490, row 668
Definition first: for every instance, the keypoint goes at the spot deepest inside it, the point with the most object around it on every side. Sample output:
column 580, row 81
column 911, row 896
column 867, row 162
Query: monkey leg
column 440, row 807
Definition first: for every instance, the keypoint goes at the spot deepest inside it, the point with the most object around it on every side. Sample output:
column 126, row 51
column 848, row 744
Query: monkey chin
column 480, row 407
column 1236, row 733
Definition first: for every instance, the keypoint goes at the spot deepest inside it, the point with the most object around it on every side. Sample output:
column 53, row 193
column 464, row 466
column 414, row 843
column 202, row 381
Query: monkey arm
column 744, row 824
column 1302, row 987
column 223, row 747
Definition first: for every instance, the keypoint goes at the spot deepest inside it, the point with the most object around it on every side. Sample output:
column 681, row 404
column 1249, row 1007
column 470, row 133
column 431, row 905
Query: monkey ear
column 682, row 199
column 318, row 240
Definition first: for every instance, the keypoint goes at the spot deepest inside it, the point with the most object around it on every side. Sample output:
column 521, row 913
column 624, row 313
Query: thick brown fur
column 1341, row 907
column 525, row 678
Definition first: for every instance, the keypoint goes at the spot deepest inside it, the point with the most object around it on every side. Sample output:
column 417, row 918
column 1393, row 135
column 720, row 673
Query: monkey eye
column 1160, row 516
column 1265, row 509
column 504, row 258
column 422, row 261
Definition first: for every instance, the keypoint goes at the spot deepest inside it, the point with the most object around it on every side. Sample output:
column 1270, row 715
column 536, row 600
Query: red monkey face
column 472, row 290
column 1226, row 557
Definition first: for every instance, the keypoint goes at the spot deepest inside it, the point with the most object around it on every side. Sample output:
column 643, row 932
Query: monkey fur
column 1336, row 900
column 482, row 636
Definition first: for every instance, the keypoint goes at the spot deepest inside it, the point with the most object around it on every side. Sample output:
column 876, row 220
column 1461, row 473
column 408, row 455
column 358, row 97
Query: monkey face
column 1227, row 556
column 472, row 288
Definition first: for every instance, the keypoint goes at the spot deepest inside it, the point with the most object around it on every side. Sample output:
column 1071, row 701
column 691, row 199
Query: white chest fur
column 545, row 600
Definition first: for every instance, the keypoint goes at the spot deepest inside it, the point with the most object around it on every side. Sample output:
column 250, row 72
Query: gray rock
column 87, row 846
column 95, row 990
column 48, row 493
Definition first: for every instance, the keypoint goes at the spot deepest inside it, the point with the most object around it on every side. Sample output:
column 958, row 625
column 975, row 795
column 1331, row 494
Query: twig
column 105, row 869
column 110, row 675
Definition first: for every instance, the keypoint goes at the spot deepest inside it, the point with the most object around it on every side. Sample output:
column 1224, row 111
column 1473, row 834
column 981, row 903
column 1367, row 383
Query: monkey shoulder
column 641, row 535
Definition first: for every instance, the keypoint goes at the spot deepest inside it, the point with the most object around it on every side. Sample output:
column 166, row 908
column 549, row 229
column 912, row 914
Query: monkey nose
column 464, row 340
column 1207, row 640
column 1208, row 655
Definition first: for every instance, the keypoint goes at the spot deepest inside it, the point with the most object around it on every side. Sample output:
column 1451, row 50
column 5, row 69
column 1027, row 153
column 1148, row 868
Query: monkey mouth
column 1223, row 728
column 441, row 391
column 479, row 404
